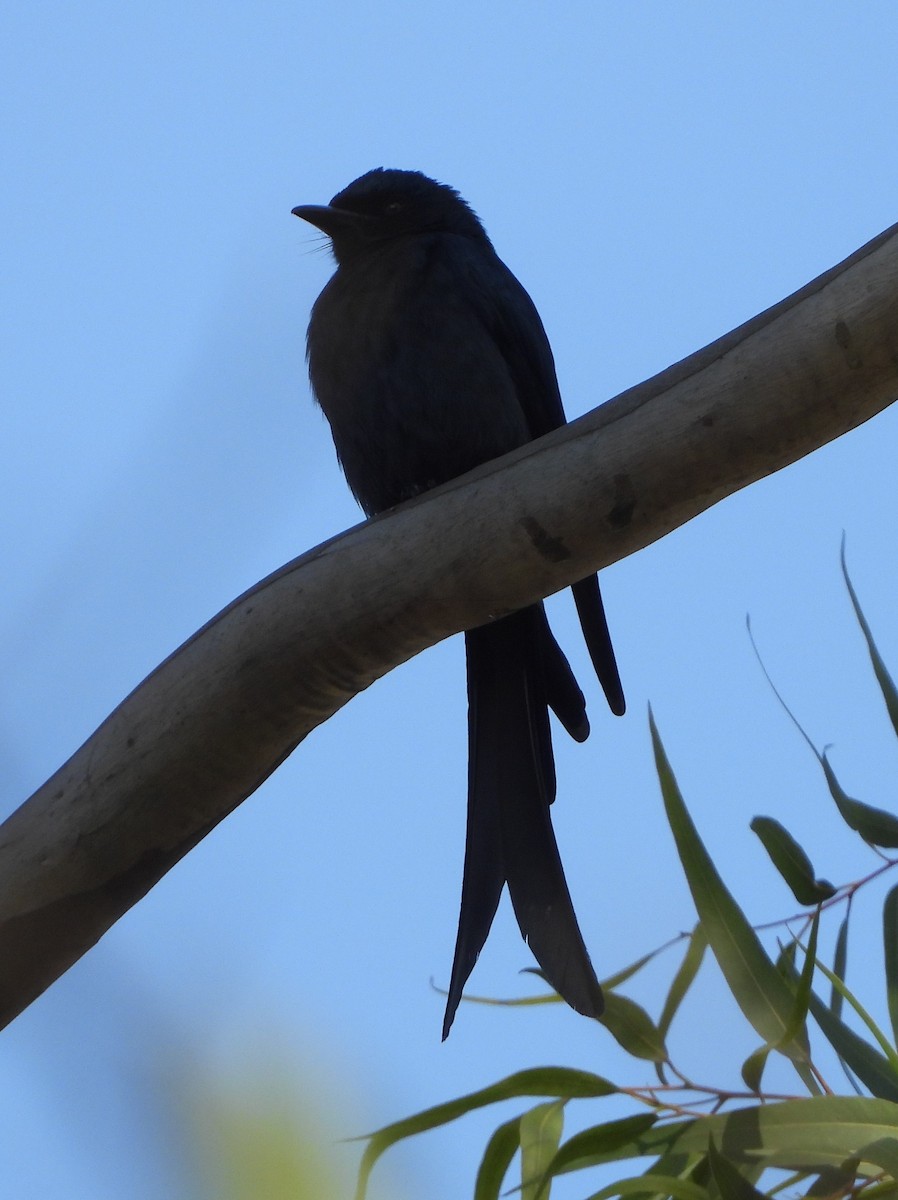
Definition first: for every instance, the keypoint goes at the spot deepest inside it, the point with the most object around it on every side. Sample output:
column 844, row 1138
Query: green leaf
column 593, row 1146
column 691, row 1167
column 803, row 991
column 875, row 825
column 662, row 1185
column 791, row 862
column 833, row 1182
column 890, row 947
column 654, row 1140
column 563, row 1082
column 881, row 1191
column 753, row 1068
column 760, row 991
column 883, row 1152
column 883, row 678
column 541, row 1130
column 809, row 1134
column 619, row 977
column 608, row 984
column 887, row 1048
column 632, row 1028
column 731, row 1183
column 840, row 964
column 872, row 1068
column 684, row 978
column 500, row 1150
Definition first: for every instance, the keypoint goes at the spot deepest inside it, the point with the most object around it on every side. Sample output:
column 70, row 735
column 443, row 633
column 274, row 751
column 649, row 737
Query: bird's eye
column 394, row 207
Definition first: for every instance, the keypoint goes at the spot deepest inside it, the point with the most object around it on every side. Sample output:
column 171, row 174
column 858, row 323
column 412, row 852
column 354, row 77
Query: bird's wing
column 515, row 326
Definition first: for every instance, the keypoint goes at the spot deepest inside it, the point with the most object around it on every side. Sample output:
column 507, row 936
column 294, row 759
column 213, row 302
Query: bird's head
column 384, row 205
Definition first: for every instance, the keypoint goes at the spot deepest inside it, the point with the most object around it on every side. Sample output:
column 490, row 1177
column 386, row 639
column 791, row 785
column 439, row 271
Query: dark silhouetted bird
column 429, row 358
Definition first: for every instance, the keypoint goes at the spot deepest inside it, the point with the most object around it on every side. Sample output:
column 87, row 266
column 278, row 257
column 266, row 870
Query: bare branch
column 216, row 718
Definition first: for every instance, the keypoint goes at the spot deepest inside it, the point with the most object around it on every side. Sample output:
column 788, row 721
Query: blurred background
column 655, row 175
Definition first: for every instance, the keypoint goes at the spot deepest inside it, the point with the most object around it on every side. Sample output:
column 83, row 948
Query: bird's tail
column 516, row 671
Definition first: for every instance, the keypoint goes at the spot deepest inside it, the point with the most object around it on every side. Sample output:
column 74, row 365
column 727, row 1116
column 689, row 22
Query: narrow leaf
column 887, row 1048
column 633, row 1028
column 883, row 678
column 730, row 1182
column 662, row 1185
column 541, row 1130
column 753, row 1068
column 840, row 964
column 593, row 1146
column 760, row 991
column 890, row 947
column 562, row 1082
column 883, row 1152
column 500, row 1150
column 803, row 991
column 684, row 978
column 875, row 825
column 619, row 977
column 871, row 1067
column 677, row 1165
column 655, row 1140
column 834, row 1182
column 809, row 1134
column 791, row 862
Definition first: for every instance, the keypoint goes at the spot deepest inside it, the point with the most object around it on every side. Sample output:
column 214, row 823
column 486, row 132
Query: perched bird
column 428, row 358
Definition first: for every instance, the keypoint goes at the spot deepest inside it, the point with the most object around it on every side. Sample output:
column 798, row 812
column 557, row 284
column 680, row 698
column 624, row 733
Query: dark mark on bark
column 622, row 513
column 843, row 337
column 549, row 547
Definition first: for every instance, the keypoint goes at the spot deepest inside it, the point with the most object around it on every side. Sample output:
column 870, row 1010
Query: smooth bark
column 215, row 719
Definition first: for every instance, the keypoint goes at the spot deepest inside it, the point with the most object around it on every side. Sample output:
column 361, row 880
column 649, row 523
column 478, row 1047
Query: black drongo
column 429, row 358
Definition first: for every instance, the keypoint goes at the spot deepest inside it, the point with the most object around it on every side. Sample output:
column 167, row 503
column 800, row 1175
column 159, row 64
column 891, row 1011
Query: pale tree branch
column 216, row 718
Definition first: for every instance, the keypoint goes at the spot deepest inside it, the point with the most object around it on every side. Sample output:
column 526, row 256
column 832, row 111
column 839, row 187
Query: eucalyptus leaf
column 791, row 861
column 541, row 1130
column 633, row 1028
column 766, row 999
column 885, row 1045
column 833, row 1181
column 684, row 978
column 590, row 1147
column 662, row 1185
column 883, row 1152
column 890, row 949
column 561, row 1082
column 753, row 1068
column 619, row 977
column 808, row 1134
column 883, row 678
column 872, row 1068
column 875, row 825
column 731, row 1183
column 840, row 963
column 500, row 1150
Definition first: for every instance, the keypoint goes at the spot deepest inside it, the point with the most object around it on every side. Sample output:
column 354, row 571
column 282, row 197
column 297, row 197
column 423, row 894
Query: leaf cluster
column 707, row 1142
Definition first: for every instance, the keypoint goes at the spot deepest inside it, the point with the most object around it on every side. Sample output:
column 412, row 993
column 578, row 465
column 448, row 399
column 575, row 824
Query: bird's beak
column 332, row 221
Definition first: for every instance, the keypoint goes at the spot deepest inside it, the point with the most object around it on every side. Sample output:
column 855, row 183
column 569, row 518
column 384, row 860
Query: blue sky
column 654, row 174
